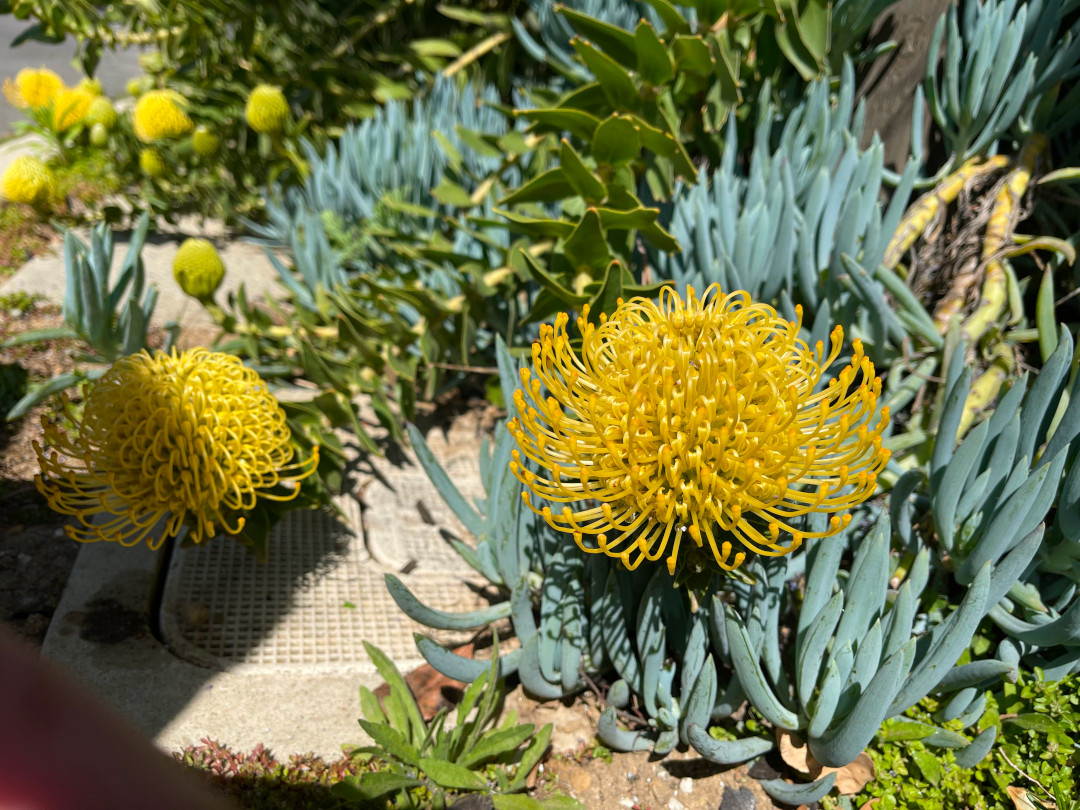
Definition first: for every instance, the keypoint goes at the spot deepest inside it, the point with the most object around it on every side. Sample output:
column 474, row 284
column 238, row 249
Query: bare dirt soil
column 35, row 554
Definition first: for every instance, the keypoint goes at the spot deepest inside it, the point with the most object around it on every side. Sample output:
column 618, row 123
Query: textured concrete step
column 247, row 652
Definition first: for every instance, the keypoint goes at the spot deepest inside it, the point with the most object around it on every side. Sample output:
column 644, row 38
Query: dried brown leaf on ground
column 795, row 752
column 854, row 776
column 850, row 779
column 1021, row 799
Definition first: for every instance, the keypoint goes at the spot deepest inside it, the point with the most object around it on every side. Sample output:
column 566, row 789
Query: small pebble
column 686, row 785
column 675, row 804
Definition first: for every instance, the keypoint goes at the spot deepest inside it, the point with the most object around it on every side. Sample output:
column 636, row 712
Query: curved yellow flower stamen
column 695, row 424
column 192, row 437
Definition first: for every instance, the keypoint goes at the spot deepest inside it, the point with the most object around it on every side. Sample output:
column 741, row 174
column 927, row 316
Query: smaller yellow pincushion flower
column 152, row 162
column 267, row 110
column 33, row 89
column 159, row 114
column 694, row 430
column 198, row 268
column 101, row 111
column 192, row 438
column 204, row 142
column 27, row 180
column 70, row 107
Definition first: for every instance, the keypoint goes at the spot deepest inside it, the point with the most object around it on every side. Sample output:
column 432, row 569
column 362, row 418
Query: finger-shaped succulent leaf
column 439, row 619
column 748, row 667
column 726, row 752
column 619, row 739
column 844, row 741
column 946, row 642
column 794, row 794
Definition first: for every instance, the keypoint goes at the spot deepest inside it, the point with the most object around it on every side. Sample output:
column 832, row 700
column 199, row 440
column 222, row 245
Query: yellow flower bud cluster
column 41, row 90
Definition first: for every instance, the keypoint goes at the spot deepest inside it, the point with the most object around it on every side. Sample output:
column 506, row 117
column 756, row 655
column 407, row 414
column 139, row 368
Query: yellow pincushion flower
column 33, row 88
column 27, row 180
column 70, row 107
column 152, row 162
column 198, row 268
column 266, row 109
column 694, row 419
column 192, row 438
column 101, row 111
column 159, row 114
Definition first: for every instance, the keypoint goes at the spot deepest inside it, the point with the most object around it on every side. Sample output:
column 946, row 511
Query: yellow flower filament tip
column 193, row 438
column 695, row 425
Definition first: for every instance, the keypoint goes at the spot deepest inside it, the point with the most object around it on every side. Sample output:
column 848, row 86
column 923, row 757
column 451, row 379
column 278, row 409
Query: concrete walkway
column 246, row 264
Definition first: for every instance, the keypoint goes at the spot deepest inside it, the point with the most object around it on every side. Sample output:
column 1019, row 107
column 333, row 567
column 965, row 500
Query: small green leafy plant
column 1036, row 754
column 424, row 765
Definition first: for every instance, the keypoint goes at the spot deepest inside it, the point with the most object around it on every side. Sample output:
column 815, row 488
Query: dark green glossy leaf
column 616, row 141
column 586, row 247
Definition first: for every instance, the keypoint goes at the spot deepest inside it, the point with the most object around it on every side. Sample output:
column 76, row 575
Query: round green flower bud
column 204, row 142
column 139, row 85
column 267, row 110
column 101, row 111
column 99, row 135
column 152, row 162
column 198, row 268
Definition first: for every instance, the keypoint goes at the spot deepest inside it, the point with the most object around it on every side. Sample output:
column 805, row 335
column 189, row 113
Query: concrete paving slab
column 245, row 264
column 213, row 644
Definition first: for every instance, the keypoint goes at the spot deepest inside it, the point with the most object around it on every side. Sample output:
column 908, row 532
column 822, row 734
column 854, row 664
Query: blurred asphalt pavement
column 113, row 71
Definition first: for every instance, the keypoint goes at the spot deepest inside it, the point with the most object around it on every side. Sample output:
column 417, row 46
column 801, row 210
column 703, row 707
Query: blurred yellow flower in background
column 152, row 162
column 694, row 419
column 204, row 142
column 266, row 109
column 70, row 107
column 27, row 180
column 191, row 438
column 198, row 268
column 33, row 88
column 159, row 114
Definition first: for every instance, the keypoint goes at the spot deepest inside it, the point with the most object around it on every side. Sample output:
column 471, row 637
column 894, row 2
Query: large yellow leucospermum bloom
column 694, row 425
column 33, row 88
column 159, row 114
column 192, row 437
